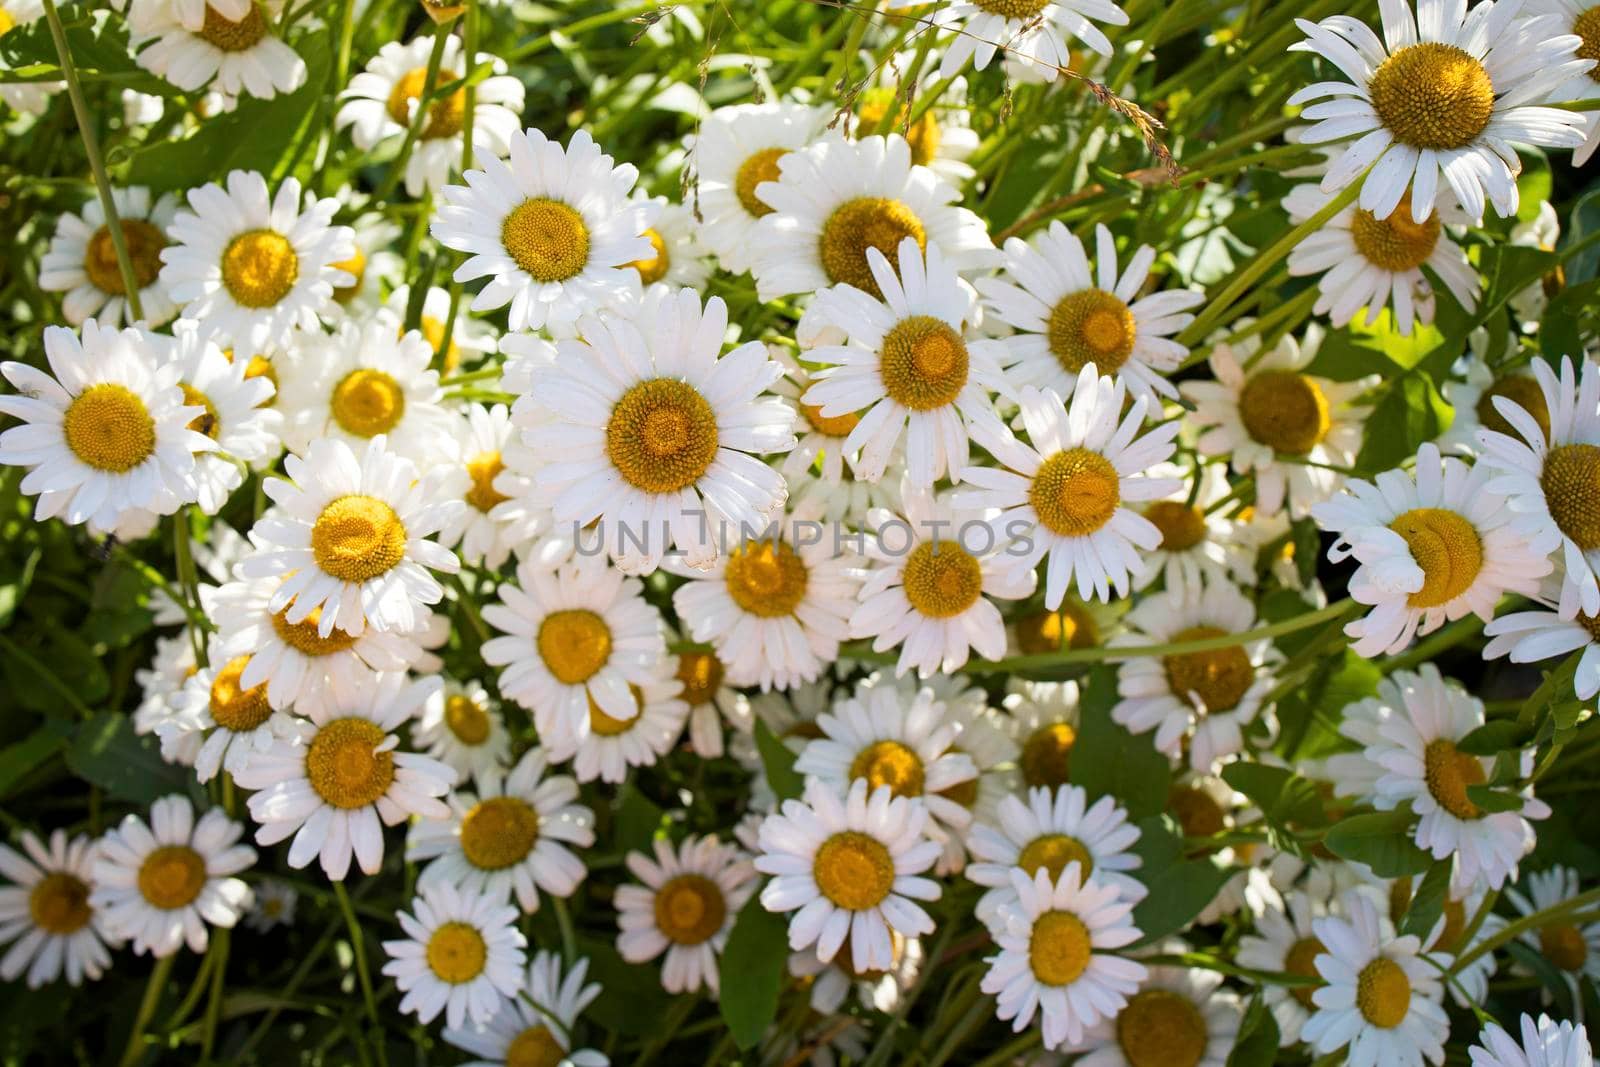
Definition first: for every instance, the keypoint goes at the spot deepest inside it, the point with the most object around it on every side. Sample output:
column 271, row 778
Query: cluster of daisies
column 456, row 564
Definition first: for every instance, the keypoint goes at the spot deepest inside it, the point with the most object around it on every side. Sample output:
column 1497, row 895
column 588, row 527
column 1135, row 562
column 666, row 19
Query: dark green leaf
column 1257, row 1043
column 1178, row 893
column 752, row 971
column 1493, row 738
column 638, row 820
column 1286, row 800
column 778, row 762
column 17, row 760
column 1494, row 799
column 634, row 1000
column 1108, row 760
column 1411, row 412
column 1427, row 902
column 1381, row 840
column 107, row 753
column 1550, row 976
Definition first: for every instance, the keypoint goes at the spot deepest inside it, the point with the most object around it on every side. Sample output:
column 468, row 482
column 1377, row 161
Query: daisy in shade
column 514, row 836
column 983, row 737
column 1441, row 95
column 1285, row 942
column 1575, row 18
column 28, row 98
column 1470, row 983
column 535, row 1027
column 233, row 719
column 711, row 701
column 45, row 914
column 1275, row 408
column 1431, row 547
column 274, row 906
column 1178, row 1016
column 1075, row 624
column 551, row 227
column 349, row 536
column 849, row 868
column 685, row 908
column 460, row 726
column 676, row 260
column 251, row 267
column 1057, row 957
column 382, row 101
column 835, row 199
column 1545, row 1043
column 1034, row 34
column 339, row 780
column 107, row 437
column 1381, row 998
column 1200, row 543
column 907, row 366
column 232, row 56
column 1043, row 717
column 1068, row 313
column 462, row 954
column 1063, row 498
column 831, row 983
column 605, row 746
column 477, row 462
column 1541, row 634
column 82, row 259
column 1571, row 948
column 1473, row 398
column 163, row 884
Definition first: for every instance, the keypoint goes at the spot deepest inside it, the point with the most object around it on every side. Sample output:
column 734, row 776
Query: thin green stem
column 1537, row 920
column 430, row 81
column 358, row 946
column 133, row 1051
column 188, row 579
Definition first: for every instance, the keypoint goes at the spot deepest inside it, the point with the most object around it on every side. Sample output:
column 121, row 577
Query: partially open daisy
column 819, row 451
column 1473, row 399
column 1043, row 717
column 375, row 269
column 162, row 884
column 339, row 780
column 480, row 532
column 1441, row 94
column 1285, row 942
column 1178, row 1018
column 605, row 746
column 1065, row 497
column 1576, row 18
column 249, row 266
column 1572, row 948
column 849, row 868
column 1545, row 1043
column 535, row 1027
column 461, row 955
column 676, row 260
column 514, row 836
column 1200, row 544
column 45, row 913
column 232, row 56
column 1034, row 34
column 160, row 683
column 106, row 437
column 1541, row 634
column 551, row 227
column 234, row 720
column 1069, row 314
column 685, row 908
column 82, row 259
column 460, row 726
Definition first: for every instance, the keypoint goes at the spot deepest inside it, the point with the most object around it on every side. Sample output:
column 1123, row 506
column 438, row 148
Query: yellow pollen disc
column 1047, row 755
column 368, row 402
column 1091, row 326
column 1051, row 854
column 690, row 909
column 1446, row 547
column 923, row 137
column 766, row 578
column 923, row 363
column 457, row 953
column 535, row 1047
column 1383, row 993
column 830, row 426
column 1448, row 773
column 444, row 116
column 1521, row 390
column 1285, row 411
column 234, row 708
column 483, row 469
column 356, row 267
column 206, row 422
column 655, row 268
column 1564, row 946
column 259, row 268
column 1013, row 9
column 1160, row 1028
column 238, row 36
column 498, row 833
column 1396, row 243
column 605, row 726
column 303, row 638
column 547, row 239
column 853, row 870
column 344, row 766
column 432, row 331
column 701, row 675
column 261, row 367
column 7, row 23
column 109, row 428
column 1075, row 492
column 1196, row 811
column 172, row 876
column 1586, row 26
column 1182, row 525
column 662, row 435
column 574, row 645
column 1432, row 95
column 760, row 167
column 1301, row 960
column 892, row 764
column 941, row 582
column 468, row 722
column 144, row 242
column 1059, row 948
column 863, row 223
column 59, row 903
column 1070, row 626
column 357, row 538
column 1220, row 677
column 1571, row 483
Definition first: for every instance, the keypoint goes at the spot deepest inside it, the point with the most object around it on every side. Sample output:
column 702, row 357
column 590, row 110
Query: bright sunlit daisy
column 45, row 913
column 461, row 955
column 234, row 720
column 1034, row 34
column 460, row 726
column 232, row 56
column 1201, row 543
column 480, row 440
column 536, row 1027
column 82, row 259
column 605, row 746
column 676, row 260
column 685, row 908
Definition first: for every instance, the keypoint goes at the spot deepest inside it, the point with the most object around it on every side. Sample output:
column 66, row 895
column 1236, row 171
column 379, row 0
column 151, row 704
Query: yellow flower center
column 1564, row 946
column 260, row 367
column 344, row 766
column 1047, row 755
column 457, row 952
column 1013, row 9
column 109, row 428
column 1432, row 95
column 230, row 36
column 259, row 268
column 1219, row 677
column 144, row 242
column 1285, row 411
column 235, row 708
column 1075, row 492
column 172, row 876
column 1571, row 483
column 923, row 136
column 357, row 538
column 1446, row 547
column 499, row 832
column 432, row 331
column 574, row 644
column 465, row 719
column 662, row 435
column 655, row 268
column 941, row 580
column 690, row 909
column 862, row 223
column 760, row 167
column 1448, row 773
column 1051, row 854
column 206, row 422
column 1383, row 993
column 830, row 426
column 302, row 636
column 605, row 726
column 1301, row 960
column 1396, row 243
column 766, row 578
column 1091, row 326
column 1070, row 626
column 7, row 23
column 701, row 675
column 483, row 469
column 853, row 870
column 445, row 116
column 1520, row 389
column 1059, row 948
column 356, row 267
column 1182, row 525
column 535, row 1047
column 1196, row 811
column 1587, row 27
column 59, row 903
column 892, row 764
column 547, row 239
column 1160, row 1028
column 923, row 363
column 368, row 402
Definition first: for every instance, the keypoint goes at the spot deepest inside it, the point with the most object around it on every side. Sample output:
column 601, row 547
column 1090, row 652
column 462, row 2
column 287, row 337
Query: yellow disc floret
column 1219, row 677
column 889, row 763
column 344, row 765
column 1448, row 772
column 942, row 579
column 1447, row 548
column 1059, row 949
column 1432, row 95
column 1051, row 854
column 1520, row 389
column 144, row 243
column 457, row 952
column 499, row 832
column 1091, row 326
column 690, row 909
column 483, row 469
column 1571, row 483
column 766, row 578
column 759, row 167
column 58, row 904
column 172, row 876
column 655, row 267
column 108, row 427
column 236, row 708
column 662, row 435
column 574, row 644
column 862, row 223
column 1075, row 492
column 303, row 637
column 466, row 720
column 923, row 363
column 546, row 238
column 1047, row 755
column 358, row 538
column 1160, row 1028
column 259, row 268
column 1383, row 993
column 1301, row 960
column 1396, row 243
column 445, row 116
column 853, row 870
column 1286, row 411
column 368, row 402
column 229, row 36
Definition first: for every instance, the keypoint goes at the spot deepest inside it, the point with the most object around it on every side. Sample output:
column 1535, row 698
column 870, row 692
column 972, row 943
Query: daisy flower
column 1043, row 717
column 1179, row 1015
column 831, row 983
column 461, row 955
column 1572, row 949
column 234, row 720
column 331, row 784
column 1441, row 94
column 374, row 268
column 46, row 915
column 82, row 259
column 1199, row 544
column 470, row 339
column 536, row 1026
column 274, row 906
column 251, row 267
column 849, row 868
column 1063, row 498
column 1473, row 397
column 1285, row 942
column 232, row 56
column 551, row 227
column 711, row 701
column 514, row 836
column 820, row 449
column 1541, row 634
column 604, row 746
column 1031, row 33
column 349, row 536
column 1075, row 624
column 460, row 726
column 161, row 885
column 685, row 908
column 1545, row 1043
column 381, row 104
column 105, row 434
column 160, row 685
column 941, row 139
column 676, row 260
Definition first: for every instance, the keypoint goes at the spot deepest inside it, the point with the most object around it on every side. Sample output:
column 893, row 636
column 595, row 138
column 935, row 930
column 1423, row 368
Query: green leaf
column 1493, row 738
column 106, row 752
column 634, row 1000
column 1550, row 976
column 1307, row 549
column 752, row 971
column 17, row 760
column 1381, row 840
column 1287, row 801
column 1257, row 1042
column 778, row 762
column 1493, row 800
column 1178, row 893
column 1411, row 412
column 1108, row 760
column 639, row 819
column 1533, row 185
column 1427, row 902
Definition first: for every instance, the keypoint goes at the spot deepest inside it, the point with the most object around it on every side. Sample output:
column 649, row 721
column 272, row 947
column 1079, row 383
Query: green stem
column 430, row 80
column 133, row 1051
column 358, row 947
column 1543, row 917
column 188, row 579
column 832, row 81
column 219, row 969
